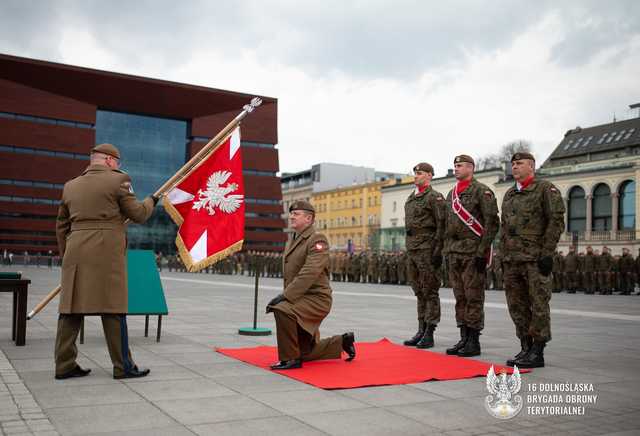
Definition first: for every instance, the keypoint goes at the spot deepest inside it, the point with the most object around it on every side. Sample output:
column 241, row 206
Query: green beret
column 109, row 149
column 423, row 166
column 302, row 205
column 464, row 158
column 522, row 155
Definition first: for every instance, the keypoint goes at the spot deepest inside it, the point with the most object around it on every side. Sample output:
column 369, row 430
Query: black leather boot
column 348, row 345
column 534, row 358
column 287, row 364
column 525, row 343
column 416, row 338
column 472, row 346
column 463, row 339
column 427, row 340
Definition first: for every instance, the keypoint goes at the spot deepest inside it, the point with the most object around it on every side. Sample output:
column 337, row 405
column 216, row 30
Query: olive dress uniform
column 306, row 301
column 91, row 233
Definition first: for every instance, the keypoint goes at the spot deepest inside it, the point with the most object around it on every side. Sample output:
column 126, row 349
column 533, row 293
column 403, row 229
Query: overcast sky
column 385, row 84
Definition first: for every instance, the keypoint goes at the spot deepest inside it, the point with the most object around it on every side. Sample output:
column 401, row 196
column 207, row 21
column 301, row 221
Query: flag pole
column 174, row 180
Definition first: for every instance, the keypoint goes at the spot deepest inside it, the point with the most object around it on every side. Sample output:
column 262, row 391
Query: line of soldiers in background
column 594, row 272
column 267, row 264
column 589, row 272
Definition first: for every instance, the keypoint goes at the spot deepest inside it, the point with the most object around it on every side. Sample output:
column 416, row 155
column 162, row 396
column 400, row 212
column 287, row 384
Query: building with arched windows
column 596, row 170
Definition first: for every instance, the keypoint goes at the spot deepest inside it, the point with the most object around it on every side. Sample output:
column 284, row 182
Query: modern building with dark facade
column 51, row 115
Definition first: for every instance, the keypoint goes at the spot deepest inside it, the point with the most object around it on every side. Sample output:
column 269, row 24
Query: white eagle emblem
column 503, row 403
column 216, row 195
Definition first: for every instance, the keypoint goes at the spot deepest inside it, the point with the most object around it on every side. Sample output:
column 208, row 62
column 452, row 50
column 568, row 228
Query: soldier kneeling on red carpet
column 306, row 299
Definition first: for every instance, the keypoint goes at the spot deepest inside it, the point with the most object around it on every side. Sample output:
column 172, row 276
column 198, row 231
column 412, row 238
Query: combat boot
column 525, row 343
column 472, row 346
column 427, row 339
column 534, row 358
column 463, row 339
column 416, row 338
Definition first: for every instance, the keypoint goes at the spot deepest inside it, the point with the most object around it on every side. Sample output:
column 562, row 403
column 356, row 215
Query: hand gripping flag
column 208, row 206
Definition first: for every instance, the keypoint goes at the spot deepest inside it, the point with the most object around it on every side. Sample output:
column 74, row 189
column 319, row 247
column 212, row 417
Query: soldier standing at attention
column 571, row 270
column 471, row 221
column 589, row 271
column 91, row 233
column 306, row 299
column 532, row 221
column 424, row 223
column 626, row 272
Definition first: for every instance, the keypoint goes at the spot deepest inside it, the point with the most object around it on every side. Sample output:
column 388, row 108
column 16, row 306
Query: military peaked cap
column 423, row 166
column 302, row 205
column 109, row 149
column 464, row 158
column 522, row 155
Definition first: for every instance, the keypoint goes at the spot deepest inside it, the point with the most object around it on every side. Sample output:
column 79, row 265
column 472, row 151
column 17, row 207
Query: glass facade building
column 152, row 150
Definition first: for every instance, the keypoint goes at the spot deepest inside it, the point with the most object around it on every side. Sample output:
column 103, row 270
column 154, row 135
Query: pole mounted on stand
column 255, row 330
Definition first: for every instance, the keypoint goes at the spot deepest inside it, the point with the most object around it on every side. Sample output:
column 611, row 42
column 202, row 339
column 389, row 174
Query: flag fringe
column 192, row 266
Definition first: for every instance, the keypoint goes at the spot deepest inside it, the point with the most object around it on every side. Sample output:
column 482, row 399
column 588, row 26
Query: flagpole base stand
column 250, row 331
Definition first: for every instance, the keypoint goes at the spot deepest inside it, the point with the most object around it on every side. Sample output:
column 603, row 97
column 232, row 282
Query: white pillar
column 615, row 202
column 587, row 233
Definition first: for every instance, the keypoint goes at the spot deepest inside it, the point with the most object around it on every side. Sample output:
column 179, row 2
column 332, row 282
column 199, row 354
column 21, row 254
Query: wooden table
column 19, row 287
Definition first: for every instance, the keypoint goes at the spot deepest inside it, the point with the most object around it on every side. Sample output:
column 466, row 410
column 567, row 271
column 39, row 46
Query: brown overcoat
column 306, row 280
column 92, row 240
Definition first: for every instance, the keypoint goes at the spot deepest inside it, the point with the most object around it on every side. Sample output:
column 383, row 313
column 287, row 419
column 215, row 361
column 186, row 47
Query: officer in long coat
column 306, row 299
column 532, row 221
column 91, row 233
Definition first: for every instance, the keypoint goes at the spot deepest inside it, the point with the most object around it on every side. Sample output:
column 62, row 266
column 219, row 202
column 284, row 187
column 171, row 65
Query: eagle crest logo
column 503, row 403
column 217, row 195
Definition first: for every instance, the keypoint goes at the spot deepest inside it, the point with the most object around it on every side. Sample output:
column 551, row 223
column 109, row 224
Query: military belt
column 96, row 225
column 422, row 231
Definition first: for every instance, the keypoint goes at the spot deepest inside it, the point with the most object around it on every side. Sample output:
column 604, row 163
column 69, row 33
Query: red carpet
column 376, row 364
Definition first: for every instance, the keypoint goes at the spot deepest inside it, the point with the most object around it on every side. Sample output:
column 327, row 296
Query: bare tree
column 494, row 160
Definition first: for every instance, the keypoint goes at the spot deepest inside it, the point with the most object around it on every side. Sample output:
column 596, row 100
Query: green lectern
column 146, row 296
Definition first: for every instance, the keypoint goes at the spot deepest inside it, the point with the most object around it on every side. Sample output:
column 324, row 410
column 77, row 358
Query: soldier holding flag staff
column 91, row 234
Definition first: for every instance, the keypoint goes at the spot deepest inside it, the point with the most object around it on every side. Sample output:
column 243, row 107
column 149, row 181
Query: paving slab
column 194, row 390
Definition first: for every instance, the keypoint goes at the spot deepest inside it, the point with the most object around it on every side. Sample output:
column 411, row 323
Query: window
column 601, row 208
column 566, row 147
column 395, row 206
column 578, row 142
column 622, row 132
column 588, row 141
column 627, row 206
column 629, row 133
column 602, row 138
column 577, row 210
column 611, row 137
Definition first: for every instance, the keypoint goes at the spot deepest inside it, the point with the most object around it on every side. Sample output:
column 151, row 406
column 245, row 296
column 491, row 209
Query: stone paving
column 193, row 390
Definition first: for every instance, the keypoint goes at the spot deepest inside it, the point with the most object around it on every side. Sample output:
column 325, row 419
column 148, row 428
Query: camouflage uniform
column 571, row 270
column 626, row 273
column 424, row 223
column 402, row 268
column 532, row 221
column 605, row 265
column 462, row 246
column 558, row 269
column 589, row 272
column 497, row 267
